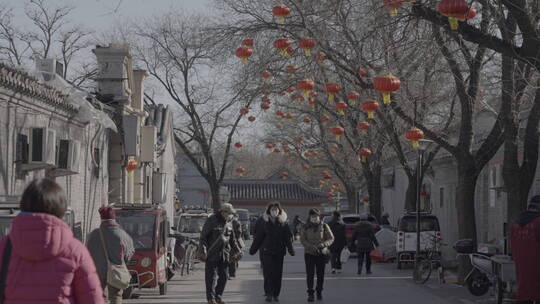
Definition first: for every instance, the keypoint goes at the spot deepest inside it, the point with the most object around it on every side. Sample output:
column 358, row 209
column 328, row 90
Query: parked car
column 243, row 217
column 406, row 236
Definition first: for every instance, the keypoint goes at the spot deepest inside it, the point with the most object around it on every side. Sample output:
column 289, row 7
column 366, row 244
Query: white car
column 406, row 236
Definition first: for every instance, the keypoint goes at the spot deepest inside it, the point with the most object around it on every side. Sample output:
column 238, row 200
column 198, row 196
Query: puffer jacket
column 48, row 265
column 218, row 231
column 340, row 238
column 363, row 237
column 315, row 237
column 273, row 237
column 119, row 247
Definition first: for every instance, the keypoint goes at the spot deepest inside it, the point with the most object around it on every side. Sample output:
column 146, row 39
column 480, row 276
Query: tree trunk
column 214, row 192
column 466, row 216
column 375, row 192
column 351, row 198
column 412, row 192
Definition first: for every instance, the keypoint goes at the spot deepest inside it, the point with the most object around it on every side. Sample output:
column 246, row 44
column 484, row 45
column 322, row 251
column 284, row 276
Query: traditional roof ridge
column 23, row 83
column 264, row 189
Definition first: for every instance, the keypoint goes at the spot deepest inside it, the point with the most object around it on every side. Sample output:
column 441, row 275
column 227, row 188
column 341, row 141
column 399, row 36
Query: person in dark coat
column 217, row 237
column 340, row 241
column 119, row 249
column 525, row 240
column 259, row 224
column 364, row 240
column 297, row 224
column 385, row 219
column 273, row 239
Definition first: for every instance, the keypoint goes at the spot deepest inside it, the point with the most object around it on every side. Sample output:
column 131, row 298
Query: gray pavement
column 387, row 285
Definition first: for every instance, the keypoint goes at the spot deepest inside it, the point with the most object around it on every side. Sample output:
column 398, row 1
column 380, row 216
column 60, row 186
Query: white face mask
column 274, row 212
column 314, row 219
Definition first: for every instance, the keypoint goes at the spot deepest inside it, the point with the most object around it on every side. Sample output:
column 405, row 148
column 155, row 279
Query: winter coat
column 48, row 265
column 273, row 237
column 340, row 238
column 525, row 240
column 119, row 247
column 315, row 237
column 364, row 238
column 218, row 231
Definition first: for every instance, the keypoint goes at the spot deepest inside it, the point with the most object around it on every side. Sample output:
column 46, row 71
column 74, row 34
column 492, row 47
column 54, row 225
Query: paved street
column 386, row 286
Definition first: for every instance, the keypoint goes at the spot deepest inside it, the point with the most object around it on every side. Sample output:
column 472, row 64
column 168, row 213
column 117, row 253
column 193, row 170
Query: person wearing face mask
column 316, row 237
column 219, row 242
column 273, row 239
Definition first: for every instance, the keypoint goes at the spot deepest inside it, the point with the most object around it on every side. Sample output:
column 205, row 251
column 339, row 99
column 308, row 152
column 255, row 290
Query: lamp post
column 424, row 144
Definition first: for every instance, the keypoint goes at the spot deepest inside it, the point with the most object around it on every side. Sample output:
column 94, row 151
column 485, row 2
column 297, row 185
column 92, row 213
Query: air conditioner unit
column 49, row 68
column 148, row 144
column 42, row 149
column 67, row 158
column 159, row 188
column 495, row 176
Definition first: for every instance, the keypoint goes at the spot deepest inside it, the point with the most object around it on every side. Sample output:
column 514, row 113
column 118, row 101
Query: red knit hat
column 107, row 213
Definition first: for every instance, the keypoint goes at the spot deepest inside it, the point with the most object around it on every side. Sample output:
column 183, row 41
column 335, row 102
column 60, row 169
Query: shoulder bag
column 118, row 276
column 202, row 252
column 3, row 272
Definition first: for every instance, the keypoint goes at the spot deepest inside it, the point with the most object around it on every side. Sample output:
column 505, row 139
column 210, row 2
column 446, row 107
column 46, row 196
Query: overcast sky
column 98, row 14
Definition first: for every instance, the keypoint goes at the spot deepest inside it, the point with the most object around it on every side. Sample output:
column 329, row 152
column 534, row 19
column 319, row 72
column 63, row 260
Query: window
column 441, row 197
column 96, row 158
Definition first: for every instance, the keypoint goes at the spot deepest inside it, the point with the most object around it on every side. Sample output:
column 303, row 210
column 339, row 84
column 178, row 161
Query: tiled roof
column 264, row 190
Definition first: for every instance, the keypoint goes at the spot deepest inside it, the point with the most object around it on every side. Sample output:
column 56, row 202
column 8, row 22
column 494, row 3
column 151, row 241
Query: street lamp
column 423, row 146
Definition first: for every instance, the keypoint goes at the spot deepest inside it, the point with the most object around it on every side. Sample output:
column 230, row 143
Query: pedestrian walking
column 218, row 243
column 273, row 239
column 41, row 260
column 297, row 224
column 365, row 241
column 259, row 224
column 110, row 245
column 525, row 240
column 340, row 241
column 316, row 237
column 385, row 219
column 237, row 228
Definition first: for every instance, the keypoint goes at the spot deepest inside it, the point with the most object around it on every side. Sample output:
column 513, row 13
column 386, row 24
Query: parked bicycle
column 428, row 261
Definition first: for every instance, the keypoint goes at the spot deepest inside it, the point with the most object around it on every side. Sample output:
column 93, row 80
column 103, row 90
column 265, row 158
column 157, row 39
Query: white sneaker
column 333, row 271
column 339, row 271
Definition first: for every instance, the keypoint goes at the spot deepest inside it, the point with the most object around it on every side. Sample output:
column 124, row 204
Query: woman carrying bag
column 338, row 230
column 316, row 237
column 363, row 239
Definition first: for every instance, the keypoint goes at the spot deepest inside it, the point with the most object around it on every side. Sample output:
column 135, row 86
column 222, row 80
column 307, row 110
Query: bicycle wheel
column 423, row 271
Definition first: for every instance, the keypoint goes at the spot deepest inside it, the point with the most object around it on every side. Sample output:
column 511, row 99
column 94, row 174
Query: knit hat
column 314, row 211
column 107, row 213
column 535, row 202
column 227, row 207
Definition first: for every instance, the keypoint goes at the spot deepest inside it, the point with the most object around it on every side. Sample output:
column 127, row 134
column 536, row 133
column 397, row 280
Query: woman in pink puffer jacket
column 47, row 265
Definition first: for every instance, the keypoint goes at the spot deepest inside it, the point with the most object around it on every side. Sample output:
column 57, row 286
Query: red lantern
column 307, row 44
column 364, row 153
column 265, row 106
column 280, row 113
column 251, row 118
column 370, row 107
column 298, row 98
column 290, row 90
column 365, row 200
column 415, row 135
column 244, row 53
column 393, row 5
column 266, row 99
column 386, row 84
column 326, row 175
column 306, row 85
column 320, row 57
column 362, row 73
column 277, row 151
column 280, row 12
column 353, row 97
column 270, row 145
column 286, row 150
column 248, row 42
column 337, row 131
column 363, row 127
column 453, row 9
column 307, row 120
column 325, row 118
column 266, row 75
column 284, row 175
column 244, row 111
column 240, row 171
column 341, row 107
column 291, row 68
column 330, row 195
column 332, row 89
column 282, row 44
column 131, row 165
column 238, row 145
column 305, row 167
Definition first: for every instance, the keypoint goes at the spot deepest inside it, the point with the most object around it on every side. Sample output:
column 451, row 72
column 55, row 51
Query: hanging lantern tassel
column 363, row 132
column 307, row 52
column 415, row 144
column 338, row 137
column 330, row 96
column 245, row 60
column 363, row 159
column 393, row 12
column 453, row 23
column 370, row 115
column 306, row 93
column 386, row 98
column 353, row 102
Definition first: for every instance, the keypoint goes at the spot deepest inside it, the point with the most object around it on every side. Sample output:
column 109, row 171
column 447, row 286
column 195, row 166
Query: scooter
column 481, row 277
